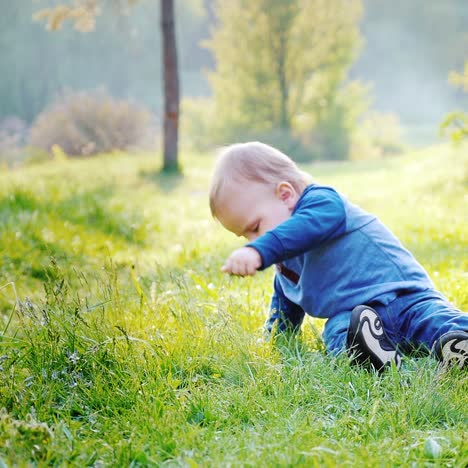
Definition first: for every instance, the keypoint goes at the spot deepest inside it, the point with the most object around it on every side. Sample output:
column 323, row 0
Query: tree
column 83, row 14
column 171, row 87
column 279, row 65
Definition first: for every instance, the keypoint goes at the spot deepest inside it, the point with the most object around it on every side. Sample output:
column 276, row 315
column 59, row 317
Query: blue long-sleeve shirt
column 332, row 256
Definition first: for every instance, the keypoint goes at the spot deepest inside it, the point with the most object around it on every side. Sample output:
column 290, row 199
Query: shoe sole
column 453, row 351
column 368, row 335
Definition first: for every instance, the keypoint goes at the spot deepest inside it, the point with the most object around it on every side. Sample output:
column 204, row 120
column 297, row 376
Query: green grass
column 129, row 348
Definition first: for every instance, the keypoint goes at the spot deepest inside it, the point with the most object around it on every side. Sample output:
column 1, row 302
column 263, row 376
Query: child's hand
column 244, row 261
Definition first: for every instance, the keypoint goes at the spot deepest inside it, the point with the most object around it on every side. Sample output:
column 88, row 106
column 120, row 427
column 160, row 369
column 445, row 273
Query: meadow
column 122, row 344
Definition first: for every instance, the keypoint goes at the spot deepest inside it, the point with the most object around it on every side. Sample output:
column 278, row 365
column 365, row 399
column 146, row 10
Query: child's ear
column 286, row 193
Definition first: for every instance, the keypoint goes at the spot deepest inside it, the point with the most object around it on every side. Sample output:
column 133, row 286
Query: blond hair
column 254, row 162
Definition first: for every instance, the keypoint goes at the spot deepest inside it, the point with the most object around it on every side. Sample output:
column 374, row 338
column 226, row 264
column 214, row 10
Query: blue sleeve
column 319, row 216
column 284, row 314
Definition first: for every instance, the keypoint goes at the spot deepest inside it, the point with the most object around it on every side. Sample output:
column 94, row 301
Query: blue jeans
column 413, row 321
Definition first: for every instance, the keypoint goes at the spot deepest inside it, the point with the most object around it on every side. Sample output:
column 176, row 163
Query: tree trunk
column 284, row 121
column 171, row 87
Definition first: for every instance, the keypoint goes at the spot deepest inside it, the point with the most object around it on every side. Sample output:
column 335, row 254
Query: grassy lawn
column 129, row 348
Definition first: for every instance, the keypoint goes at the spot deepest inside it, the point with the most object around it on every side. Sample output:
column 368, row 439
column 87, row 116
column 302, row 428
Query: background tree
column 279, row 65
column 83, row 14
column 408, row 48
column 171, row 87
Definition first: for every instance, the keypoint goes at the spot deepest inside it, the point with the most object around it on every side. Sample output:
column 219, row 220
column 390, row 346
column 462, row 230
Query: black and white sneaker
column 452, row 349
column 367, row 341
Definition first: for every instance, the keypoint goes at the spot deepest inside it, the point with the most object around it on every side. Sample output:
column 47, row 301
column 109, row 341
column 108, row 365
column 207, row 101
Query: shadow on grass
column 91, row 210
column 18, row 201
column 88, row 209
column 166, row 181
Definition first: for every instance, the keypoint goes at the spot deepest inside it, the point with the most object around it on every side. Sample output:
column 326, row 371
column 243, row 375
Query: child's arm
column 285, row 315
column 244, row 261
column 319, row 217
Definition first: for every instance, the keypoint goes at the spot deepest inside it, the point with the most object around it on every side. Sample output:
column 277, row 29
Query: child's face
column 251, row 209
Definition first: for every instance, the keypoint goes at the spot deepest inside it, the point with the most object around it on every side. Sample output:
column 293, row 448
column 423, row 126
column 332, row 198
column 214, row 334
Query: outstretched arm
column 285, row 315
column 244, row 261
column 319, row 217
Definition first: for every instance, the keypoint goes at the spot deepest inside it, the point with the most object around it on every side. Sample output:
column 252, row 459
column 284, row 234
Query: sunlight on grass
column 128, row 346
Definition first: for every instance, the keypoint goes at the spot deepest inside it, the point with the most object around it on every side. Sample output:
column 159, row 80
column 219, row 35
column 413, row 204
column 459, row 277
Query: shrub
column 285, row 141
column 84, row 124
column 378, row 135
column 202, row 130
column 198, row 123
column 456, row 123
column 13, row 133
column 329, row 139
column 328, row 131
column 324, row 133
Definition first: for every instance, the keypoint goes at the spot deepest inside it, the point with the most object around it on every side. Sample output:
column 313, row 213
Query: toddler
column 333, row 260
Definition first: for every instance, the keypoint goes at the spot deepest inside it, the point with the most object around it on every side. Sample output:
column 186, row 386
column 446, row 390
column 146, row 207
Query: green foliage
column 83, row 124
column 283, row 72
column 377, row 136
column 202, row 130
column 336, row 123
column 198, row 123
column 128, row 347
column 335, row 128
column 456, row 123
